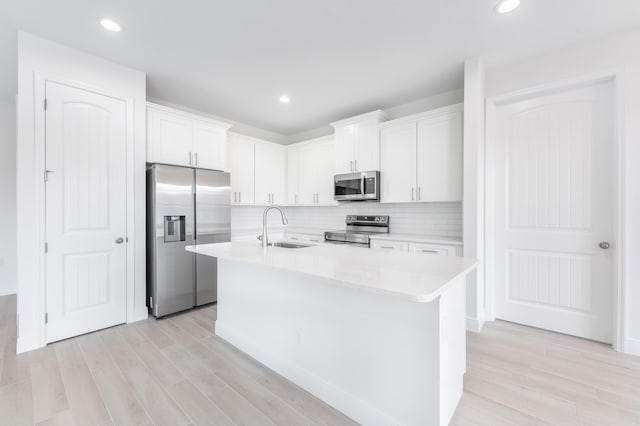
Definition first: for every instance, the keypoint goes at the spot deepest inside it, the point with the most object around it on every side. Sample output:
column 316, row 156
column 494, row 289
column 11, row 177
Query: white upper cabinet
column 398, row 165
column 439, row 155
column 210, row 146
column 170, row 138
column 185, row 139
column 310, row 172
column 241, row 157
column 421, row 157
column 357, row 143
column 270, row 171
column 258, row 171
column 293, row 186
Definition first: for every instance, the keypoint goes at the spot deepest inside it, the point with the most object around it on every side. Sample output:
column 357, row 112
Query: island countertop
column 417, row 277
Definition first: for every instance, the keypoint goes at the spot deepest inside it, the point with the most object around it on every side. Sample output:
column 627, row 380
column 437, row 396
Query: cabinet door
column 170, row 139
column 292, row 176
column 241, row 166
column 432, row 249
column 269, row 173
column 324, row 173
column 389, row 245
column 307, row 175
column 367, row 147
column 210, row 146
column 345, row 147
column 398, row 163
column 439, row 154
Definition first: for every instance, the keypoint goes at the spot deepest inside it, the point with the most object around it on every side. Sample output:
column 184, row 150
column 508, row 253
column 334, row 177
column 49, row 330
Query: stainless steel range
column 359, row 230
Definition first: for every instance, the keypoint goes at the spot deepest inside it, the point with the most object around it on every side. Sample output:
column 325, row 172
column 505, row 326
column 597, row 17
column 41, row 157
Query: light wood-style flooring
column 177, row 372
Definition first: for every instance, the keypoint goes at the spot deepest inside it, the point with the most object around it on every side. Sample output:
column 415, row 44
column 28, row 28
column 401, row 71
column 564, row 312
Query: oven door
column 357, row 186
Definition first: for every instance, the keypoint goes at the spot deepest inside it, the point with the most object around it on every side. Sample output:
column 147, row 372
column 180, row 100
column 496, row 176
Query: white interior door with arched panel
column 86, row 211
column 554, row 210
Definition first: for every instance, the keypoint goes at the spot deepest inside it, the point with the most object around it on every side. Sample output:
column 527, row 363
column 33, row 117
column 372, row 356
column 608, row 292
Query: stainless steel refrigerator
column 185, row 206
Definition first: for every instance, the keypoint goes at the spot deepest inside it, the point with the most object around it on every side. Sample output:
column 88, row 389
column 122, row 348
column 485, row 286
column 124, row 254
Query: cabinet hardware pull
column 413, row 193
column 189, row 157
column 355, row 165
column 239, row 197
column 235, row 197
column 196, row 157
column 386, row 247
column 350, row 165
column 419, row 193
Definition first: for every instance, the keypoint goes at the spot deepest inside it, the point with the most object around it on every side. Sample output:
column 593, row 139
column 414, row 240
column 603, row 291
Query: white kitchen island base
column 379, row 359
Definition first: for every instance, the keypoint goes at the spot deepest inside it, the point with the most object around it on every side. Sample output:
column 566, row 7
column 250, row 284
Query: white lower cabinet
column 416, row 247
column 432, row 248
column 305, row 238
column 389, row 245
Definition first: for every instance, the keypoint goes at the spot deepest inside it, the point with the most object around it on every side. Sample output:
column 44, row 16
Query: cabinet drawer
column 389, row 245
column 305, row 238
column 432, row 248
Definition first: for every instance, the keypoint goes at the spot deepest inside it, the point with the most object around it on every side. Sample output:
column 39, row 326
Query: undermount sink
column 288, row 245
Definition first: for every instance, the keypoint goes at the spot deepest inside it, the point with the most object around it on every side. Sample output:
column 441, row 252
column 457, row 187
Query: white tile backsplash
column 435, row 219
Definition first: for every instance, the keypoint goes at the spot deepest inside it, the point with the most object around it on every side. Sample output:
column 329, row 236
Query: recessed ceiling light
column 111, row 25
column 506, row 6
column 284, row 99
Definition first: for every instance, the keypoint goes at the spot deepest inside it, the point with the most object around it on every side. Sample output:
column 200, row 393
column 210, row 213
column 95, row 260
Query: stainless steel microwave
column 361, row 186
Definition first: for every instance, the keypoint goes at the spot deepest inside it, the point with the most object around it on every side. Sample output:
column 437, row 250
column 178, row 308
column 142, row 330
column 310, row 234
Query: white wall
column 39, row 58
column 433, row 219
column 8, row 197
column 616, row 54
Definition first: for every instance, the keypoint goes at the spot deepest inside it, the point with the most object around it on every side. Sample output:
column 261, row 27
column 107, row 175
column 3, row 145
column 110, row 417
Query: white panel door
column 398, row 163
column 85, row 211
column 554, row 205
column 439, row 155
column 367, row 147
column 170, row 139
column 209, row 146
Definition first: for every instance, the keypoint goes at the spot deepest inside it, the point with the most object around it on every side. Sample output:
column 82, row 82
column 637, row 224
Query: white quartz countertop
column 412, row 238
column 413, row 276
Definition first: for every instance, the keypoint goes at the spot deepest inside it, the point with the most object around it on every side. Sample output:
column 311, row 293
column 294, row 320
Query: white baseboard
column 476, row 324
column 632, row 346
column 358, row 410
column 139, row 315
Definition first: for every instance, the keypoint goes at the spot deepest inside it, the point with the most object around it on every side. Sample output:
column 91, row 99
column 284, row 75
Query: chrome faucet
column 285, row 221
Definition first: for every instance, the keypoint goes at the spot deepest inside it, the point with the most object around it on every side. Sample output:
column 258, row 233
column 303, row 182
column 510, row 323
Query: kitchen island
column 378, row 335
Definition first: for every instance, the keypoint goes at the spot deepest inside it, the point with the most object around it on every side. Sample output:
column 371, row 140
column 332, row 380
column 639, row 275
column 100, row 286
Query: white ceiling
column 335, row 58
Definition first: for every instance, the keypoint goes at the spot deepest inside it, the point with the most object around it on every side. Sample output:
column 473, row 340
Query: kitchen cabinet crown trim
column 373, row 115
column 190, row 115
column 421, row 115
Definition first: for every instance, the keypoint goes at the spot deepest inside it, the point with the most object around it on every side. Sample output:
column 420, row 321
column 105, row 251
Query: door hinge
column 46, row 318
column 46, row 247
column 45, row 104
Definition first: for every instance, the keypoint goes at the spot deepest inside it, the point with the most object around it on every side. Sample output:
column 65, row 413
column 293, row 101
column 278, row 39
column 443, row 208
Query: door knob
column 119, row 240
column 604, row 245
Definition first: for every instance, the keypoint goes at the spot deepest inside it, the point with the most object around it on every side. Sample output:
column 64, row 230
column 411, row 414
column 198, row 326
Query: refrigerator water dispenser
column 174, row 229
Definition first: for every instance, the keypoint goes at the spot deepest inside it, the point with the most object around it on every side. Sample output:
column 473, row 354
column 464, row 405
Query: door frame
column 40, row 81
column 616, row 78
